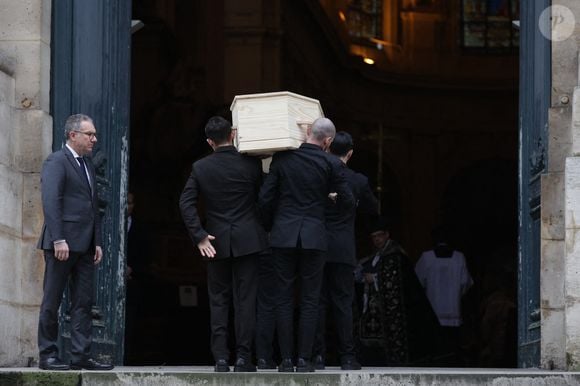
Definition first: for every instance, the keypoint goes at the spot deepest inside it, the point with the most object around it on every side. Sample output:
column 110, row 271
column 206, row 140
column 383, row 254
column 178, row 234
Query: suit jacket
column 340, row 223
column 295, row 193
column 69, row 204
column 229, row 183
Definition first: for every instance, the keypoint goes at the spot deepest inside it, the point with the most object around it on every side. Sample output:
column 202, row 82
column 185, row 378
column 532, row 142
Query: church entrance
column 438, row 146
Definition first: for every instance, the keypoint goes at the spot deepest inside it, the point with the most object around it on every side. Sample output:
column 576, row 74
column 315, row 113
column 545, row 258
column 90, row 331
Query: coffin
column 271, row 122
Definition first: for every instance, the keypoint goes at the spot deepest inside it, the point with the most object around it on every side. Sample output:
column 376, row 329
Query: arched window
column 487, row 25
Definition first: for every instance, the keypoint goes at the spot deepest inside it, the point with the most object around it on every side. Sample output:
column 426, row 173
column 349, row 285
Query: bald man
column 292, row 200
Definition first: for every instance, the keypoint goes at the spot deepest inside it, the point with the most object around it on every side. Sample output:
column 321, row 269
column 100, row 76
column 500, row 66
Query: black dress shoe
column 264, row 364
column 286, row 366
column 350, row 364
column 319, row 362
column 53, row 363
column 244, row 366
column 221, row 366
column 304, row 366
column 91, row 364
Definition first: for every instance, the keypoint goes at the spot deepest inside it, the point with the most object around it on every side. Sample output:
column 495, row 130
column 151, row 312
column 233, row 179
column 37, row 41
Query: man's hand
column 98, row 255
column 369, row 277
column 61, row 251
column 332, row 196
column 205, row 247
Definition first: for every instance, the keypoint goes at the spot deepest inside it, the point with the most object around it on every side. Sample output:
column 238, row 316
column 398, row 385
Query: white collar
column 74, row 153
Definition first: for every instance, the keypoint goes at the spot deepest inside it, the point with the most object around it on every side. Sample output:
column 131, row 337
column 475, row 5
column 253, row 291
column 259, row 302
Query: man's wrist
column 59, row 241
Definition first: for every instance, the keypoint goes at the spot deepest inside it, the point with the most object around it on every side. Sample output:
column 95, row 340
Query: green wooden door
column 535, row 83
column 90, row 70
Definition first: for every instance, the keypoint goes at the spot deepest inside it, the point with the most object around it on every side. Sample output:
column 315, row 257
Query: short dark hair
column 218, row 129
column 341, row 144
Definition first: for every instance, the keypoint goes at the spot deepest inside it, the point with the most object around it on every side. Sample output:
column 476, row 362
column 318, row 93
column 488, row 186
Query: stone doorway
column 444, row 144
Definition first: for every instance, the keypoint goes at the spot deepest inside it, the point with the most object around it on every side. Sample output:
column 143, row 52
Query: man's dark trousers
column 81, row 268
column 267, row 298
column 233, row 277
column 337, row 294
column 308, row 265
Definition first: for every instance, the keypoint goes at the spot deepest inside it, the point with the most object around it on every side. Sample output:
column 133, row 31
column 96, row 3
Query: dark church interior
column 427, row 88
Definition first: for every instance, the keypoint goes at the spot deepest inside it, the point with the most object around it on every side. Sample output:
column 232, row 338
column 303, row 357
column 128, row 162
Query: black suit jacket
column 70, row 206
column 340, row 223
column 295, row 194
column 229, row 183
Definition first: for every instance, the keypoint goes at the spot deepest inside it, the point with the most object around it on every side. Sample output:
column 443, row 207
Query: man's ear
column 326, row 143
column 348, row 155
column 210, row 143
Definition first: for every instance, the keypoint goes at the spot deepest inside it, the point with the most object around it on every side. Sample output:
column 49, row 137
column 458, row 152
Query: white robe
column 445, row 281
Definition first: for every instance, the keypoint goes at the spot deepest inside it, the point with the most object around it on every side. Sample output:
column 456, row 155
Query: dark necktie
column 83, row 169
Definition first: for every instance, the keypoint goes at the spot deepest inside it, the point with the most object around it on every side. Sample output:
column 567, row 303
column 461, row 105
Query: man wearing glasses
column 71, row 241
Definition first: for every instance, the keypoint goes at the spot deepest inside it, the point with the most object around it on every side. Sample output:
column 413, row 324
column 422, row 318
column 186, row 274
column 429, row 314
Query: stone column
column 25, row 140
column 565, row 92
column 572, row 256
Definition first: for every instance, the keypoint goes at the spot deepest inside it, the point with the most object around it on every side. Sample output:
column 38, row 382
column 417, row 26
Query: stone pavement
column 204, row 375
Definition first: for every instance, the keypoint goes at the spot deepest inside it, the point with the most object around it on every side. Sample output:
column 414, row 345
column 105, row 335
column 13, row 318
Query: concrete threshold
column 204, row 375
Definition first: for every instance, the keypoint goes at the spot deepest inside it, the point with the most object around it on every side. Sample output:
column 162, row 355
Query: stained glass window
column 487, row 24
column 365, row 18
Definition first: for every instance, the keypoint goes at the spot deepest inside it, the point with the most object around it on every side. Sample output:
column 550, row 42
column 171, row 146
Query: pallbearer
column 293, row 200
column 231, row 240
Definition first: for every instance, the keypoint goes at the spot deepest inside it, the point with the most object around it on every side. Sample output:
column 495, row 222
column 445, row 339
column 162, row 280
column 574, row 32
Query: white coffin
column 271, row 122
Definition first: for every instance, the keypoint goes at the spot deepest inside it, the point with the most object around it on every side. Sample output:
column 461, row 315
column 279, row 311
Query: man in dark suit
column 338, row 282
column 292, row 200
column 71, row 240
column 232, row 239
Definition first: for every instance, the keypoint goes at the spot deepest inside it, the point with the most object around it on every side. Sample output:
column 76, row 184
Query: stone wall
column 25, row 140
column 560, row 282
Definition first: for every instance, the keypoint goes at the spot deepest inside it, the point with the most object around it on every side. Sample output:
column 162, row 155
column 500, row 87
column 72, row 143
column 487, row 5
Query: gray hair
column 73, row 123
column 323, row 128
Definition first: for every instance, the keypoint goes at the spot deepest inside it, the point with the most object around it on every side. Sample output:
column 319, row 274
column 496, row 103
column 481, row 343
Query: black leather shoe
column 286, row 366
column 91, row 364
column 304, row 366
column 221, row 366
column 350, row 364
column 264, row 364
column 319, row 362
column 244, row 366
column 53, row 363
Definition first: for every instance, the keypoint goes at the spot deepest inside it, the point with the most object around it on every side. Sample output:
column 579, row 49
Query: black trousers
column 266, row 317
column 337, row 294
column 307, row 265
column 80, row 268
column 232, row 280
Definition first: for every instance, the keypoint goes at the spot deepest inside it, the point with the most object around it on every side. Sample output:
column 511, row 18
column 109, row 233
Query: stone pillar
column 572, row 255
column 552, row 272
column 25, row 140
column 565, row 93
column 554, row 234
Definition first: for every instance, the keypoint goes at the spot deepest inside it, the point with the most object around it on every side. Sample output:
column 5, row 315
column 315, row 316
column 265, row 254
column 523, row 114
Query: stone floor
column 194, row 375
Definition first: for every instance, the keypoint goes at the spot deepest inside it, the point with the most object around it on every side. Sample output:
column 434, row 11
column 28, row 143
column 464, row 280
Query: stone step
column 196, row 375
